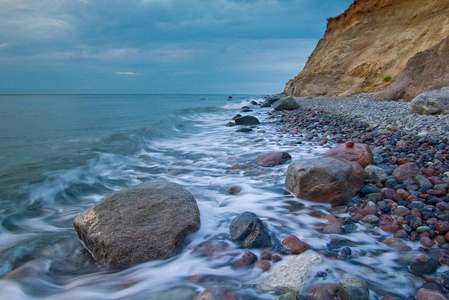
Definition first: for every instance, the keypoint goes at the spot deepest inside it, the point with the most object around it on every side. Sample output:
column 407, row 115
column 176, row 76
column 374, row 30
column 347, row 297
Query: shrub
column 387, row 78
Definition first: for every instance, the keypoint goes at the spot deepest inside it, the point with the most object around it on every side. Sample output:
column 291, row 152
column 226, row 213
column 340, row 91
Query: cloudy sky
column 158, row 46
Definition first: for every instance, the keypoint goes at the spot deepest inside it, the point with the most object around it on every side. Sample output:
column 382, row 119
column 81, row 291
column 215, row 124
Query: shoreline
column 409, row 210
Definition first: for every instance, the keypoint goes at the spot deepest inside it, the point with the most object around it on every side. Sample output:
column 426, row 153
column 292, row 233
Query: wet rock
column 326, row 291
column 426, row 294
column 357, row 152
column 326, row 180
column 248, row 230
column 295, row 245
column 424, row 265
column 431, row 102
column 273, row 159
column 287, row 296
column 345, row 253
column 264, row 265
column 401, row 211
column 401, row 234
column 247, row 121
column 287, row 103
column 406, row 171
column 442, row 227
column 352, row 289
column 145, row 222
column 293, row 275
column 247, row 260
column 234, row 190
column 426, row 242
column 391, row 228
column 370, row 219
column 244, row 129
column 443, row 280
column 396, row 243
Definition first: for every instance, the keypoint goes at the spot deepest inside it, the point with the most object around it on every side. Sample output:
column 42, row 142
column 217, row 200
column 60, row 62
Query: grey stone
column 287, row 103
column 141, row 223
column 248, row 230
column 375, row 173
column 247, row 121
column 294, row 275
column 353, row 289
column 370, row 219
column 431, row 102
column 423, row 181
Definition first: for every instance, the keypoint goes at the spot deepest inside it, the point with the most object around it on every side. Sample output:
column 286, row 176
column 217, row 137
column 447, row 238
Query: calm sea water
column 60, row 154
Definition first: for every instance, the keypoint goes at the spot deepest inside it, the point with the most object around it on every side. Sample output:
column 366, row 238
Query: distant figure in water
column 229, row 98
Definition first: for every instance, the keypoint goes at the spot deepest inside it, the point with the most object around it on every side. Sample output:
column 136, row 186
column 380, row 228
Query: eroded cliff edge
column 398, row 47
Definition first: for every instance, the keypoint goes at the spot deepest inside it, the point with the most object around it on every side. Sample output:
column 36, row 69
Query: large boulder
column 293, row 275
column 287, row 103
column 247, row 121
column 357, row 152
column 431, row 102
column 272, row 159
column 248, row 230
column 145, row 222
column 325, row 179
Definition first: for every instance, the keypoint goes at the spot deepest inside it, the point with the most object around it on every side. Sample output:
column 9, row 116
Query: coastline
column 414, row 210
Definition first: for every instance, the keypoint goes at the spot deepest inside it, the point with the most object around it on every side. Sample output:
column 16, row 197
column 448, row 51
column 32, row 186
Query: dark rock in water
column 357, row 152
column 351, row 289
column 287, row 103
column 247, row 260
column 431, row 102
column 247, row 121
column 249, row 230
column 424, row 265
column 325, row 180
column 345, row 253
column 273, row 159
column 266, row 104
column 245, row 129
column 443, row 280
column 145, row 222
column 234, row 190
column 246, row 109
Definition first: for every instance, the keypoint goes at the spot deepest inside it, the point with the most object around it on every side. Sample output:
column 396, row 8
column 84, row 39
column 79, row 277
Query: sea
column 61, row 154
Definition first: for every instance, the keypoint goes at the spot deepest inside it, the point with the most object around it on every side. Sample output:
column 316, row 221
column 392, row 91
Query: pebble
column 295, row 245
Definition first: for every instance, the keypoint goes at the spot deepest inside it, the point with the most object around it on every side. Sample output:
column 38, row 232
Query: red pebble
column 369, row 210
column 264, row 265
column 295, row 245
column 247, row 260
column 426, row 242
column 391, row 228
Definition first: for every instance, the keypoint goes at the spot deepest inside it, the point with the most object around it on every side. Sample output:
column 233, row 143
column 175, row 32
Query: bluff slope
column 374, row 40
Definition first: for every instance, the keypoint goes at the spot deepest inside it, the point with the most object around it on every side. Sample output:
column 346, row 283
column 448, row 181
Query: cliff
column 378, row 43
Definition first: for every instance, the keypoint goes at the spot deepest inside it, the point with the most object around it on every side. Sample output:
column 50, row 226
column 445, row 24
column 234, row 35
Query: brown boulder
column 325, row 180
column 357, row 152
column 427, row 294
column 145, row 222
column 406, row 171
column 273, row 159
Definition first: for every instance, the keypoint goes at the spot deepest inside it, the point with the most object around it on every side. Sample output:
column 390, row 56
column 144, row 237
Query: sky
column 157, row 46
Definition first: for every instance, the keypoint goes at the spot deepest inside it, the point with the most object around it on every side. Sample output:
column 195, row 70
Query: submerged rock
column 325, row 180
column 145, row 222
column 249, row 230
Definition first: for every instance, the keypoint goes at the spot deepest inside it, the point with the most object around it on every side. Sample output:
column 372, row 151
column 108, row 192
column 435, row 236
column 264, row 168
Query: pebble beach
column 413, row 209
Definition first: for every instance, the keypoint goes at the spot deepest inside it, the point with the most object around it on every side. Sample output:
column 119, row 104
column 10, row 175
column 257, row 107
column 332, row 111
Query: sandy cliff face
column 371, row 41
